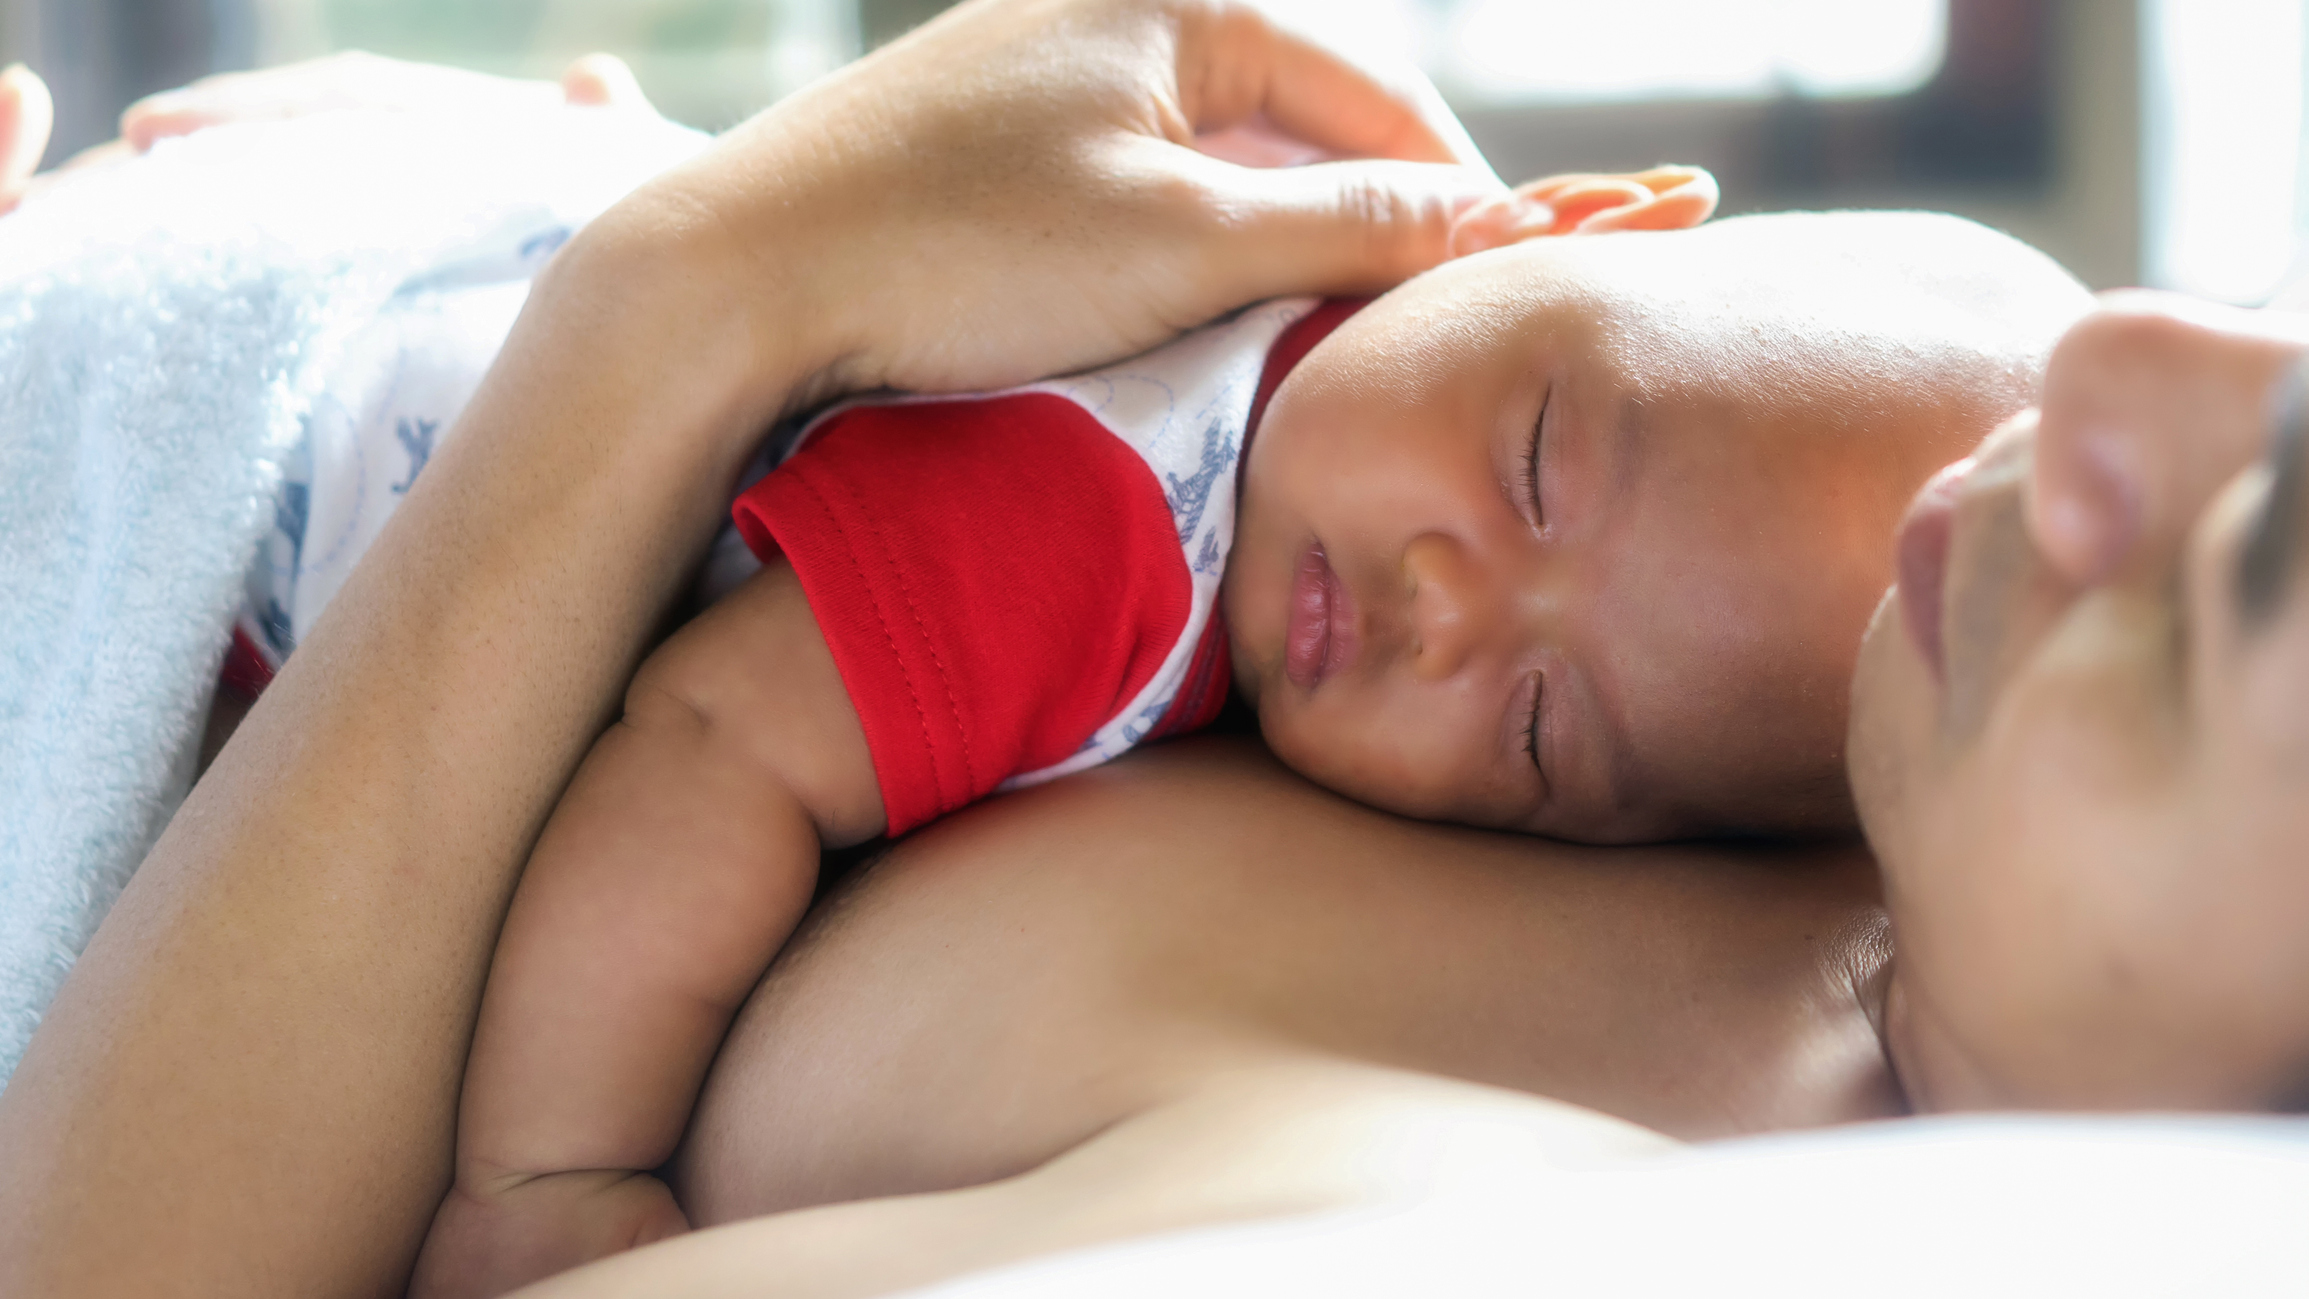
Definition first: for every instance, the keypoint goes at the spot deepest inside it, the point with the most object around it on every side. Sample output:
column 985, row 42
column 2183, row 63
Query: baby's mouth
column 1318, row 634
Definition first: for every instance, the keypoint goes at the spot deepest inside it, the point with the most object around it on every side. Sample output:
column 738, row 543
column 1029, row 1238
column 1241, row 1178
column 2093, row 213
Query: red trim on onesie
column 995, row 577
column 245, row 669
column 1210, row 676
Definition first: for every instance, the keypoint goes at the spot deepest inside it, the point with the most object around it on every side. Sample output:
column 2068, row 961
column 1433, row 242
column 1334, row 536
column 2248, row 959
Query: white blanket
column 164, row 329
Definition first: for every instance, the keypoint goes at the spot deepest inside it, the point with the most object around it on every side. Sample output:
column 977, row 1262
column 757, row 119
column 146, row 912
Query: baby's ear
column 1664, row 198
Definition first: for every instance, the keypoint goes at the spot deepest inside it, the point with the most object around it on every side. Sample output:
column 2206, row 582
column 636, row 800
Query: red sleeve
column 996, row 578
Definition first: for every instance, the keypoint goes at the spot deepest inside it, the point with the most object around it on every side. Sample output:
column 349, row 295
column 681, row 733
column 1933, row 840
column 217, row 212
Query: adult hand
column 1584, row 203
column 257, row 1059
column 1013, row 190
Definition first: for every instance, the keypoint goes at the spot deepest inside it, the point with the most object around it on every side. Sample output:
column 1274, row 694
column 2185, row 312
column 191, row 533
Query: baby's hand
column 339, row 81
column 1664, row 198
column 26, row 116
column 357, row 80
column 485, row 1243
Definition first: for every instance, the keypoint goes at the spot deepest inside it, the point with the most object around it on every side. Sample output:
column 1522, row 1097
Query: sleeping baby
column 1572, row 536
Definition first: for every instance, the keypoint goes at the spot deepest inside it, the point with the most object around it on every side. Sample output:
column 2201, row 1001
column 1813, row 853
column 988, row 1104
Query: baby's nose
column 1456, row 606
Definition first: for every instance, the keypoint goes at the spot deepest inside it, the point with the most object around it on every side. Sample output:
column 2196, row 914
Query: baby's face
column 1575, row 539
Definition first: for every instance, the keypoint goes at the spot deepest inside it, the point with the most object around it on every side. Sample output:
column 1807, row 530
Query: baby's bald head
column 1612, row 511
column 1885, row 308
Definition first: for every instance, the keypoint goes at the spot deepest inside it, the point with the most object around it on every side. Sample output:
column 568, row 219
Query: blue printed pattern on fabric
column 383, row 413
column 1185, row 408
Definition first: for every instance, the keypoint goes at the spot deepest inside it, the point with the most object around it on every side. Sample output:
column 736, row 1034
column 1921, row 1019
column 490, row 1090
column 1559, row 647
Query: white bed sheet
column 1997, row 1205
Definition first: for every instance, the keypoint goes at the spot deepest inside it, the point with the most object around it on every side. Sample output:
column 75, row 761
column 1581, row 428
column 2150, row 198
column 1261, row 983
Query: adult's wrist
column 714, row 335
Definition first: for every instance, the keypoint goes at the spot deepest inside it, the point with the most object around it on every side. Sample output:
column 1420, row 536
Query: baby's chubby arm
column 675, row 866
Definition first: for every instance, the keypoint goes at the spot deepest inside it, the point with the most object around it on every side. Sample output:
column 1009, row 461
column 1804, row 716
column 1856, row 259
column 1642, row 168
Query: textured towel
column 164, row 327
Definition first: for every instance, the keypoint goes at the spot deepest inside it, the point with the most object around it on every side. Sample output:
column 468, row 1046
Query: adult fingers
column 1236, row 64
column 27, row 115
column 1501, row 220
column 1669, row 206
column 1578, row 205
column 1335, row 227
column 1664, row 198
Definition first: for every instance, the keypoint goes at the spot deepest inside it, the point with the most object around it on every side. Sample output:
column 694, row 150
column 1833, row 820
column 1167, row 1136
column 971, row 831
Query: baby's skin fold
column 1748, row 506
column 685, row 848
column 328, row 898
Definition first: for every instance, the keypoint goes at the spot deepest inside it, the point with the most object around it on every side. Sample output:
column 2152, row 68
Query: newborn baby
column 1576, row 536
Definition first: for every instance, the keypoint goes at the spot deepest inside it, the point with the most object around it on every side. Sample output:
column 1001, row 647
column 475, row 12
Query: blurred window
column 1940, row 103
column 2220, row 148
column 1499, row 52
column 706, row 62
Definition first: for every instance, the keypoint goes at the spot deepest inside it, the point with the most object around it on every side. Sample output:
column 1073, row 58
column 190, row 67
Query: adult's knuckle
column 1403, row 231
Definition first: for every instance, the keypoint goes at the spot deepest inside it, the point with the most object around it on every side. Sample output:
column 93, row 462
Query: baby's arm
column 677, row 863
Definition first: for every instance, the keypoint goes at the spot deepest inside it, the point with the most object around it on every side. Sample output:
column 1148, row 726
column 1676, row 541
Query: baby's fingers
column 603, row 81
column 26, row 116
column 350, row 80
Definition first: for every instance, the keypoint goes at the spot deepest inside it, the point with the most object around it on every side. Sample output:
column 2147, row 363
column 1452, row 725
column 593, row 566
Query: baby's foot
column 27, row 114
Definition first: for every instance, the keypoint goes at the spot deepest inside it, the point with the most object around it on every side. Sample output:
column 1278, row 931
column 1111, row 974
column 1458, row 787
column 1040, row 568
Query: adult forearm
column 287, row 988
column 255, row 1065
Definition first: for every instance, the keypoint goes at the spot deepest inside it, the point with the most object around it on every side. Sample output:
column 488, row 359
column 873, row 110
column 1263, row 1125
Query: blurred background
column 2139, row 141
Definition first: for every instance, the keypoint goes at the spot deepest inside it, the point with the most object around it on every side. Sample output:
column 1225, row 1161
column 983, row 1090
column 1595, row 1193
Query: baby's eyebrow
column 2272, row 548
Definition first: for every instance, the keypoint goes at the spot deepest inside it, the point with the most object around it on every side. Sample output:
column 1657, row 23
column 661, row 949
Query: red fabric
column 996, row 578
column 1211, row 675
column 245, row 668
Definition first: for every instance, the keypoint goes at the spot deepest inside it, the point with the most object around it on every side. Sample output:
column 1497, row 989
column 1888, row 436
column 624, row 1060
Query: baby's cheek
column 1309, row 743
column 1360, row 763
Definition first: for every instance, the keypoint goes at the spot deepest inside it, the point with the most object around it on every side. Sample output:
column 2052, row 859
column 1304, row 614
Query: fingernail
column 1493, row 223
